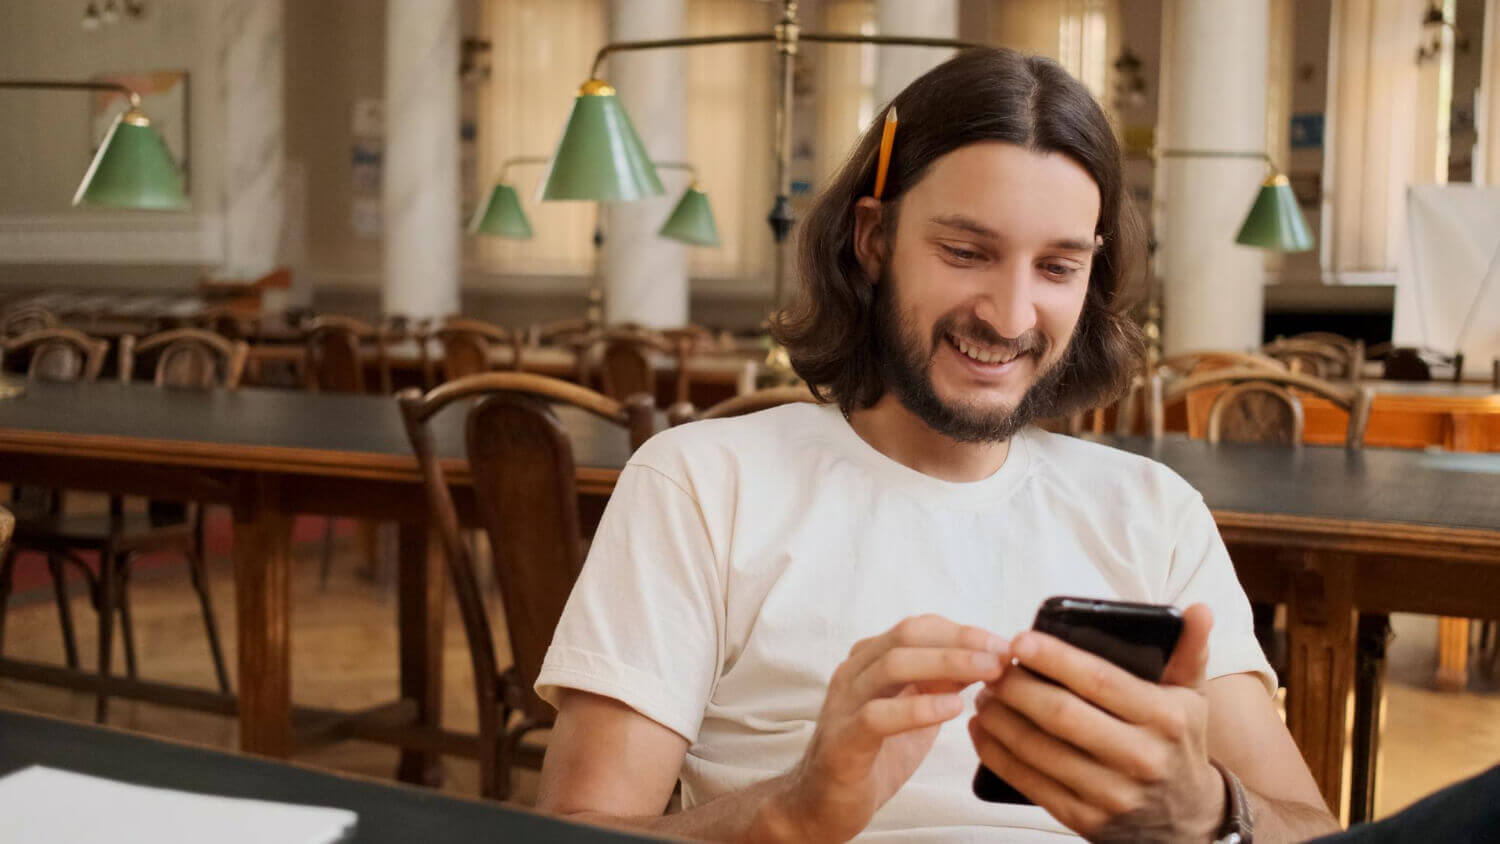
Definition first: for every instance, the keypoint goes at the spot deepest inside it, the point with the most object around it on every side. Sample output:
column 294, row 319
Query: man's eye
column 961, row 255
column 1059, row 271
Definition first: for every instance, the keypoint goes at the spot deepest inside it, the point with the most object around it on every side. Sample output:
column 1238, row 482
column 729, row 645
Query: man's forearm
column 1279, row 821
column 744, row 815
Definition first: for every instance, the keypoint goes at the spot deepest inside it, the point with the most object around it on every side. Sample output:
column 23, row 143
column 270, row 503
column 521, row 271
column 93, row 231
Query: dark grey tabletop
column 1446, row 489
column 293, row 419
column 387, row 813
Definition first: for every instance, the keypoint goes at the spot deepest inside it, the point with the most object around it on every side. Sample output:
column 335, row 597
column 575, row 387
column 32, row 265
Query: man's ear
column 870, row 236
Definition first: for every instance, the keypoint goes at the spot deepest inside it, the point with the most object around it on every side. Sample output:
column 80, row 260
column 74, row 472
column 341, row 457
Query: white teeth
column 982, row 355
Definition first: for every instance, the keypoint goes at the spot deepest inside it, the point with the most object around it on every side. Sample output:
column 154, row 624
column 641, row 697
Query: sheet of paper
column 42, row 805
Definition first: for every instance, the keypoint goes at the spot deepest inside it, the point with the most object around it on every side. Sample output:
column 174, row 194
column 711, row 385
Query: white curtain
column 541, row 52
column 730, row 129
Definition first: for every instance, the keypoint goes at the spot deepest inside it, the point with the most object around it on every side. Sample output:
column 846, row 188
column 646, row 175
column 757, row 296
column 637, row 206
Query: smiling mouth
column 991, row 355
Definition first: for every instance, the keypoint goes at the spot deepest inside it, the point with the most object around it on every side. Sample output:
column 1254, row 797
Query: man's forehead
column 994, row 187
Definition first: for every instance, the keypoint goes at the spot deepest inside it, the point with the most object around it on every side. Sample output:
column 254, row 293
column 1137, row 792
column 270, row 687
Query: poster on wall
column 164, row 99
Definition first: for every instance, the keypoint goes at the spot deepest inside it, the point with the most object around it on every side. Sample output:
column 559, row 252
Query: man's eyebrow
column 1073, row 244
column 968, row 224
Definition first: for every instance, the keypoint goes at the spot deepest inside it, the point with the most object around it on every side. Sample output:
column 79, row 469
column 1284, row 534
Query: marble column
column 898, row 66
column 251, row 71
column 1214, row 89
column 645, row 277
column 420, row 187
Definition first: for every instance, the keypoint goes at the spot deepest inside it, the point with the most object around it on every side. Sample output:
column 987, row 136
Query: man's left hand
column 1111, row 756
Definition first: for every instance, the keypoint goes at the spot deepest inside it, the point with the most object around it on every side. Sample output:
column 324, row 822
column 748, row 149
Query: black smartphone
column 1139, row 638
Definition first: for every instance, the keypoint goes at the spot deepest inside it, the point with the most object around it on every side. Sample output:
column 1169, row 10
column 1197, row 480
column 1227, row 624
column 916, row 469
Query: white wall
column 44, row 140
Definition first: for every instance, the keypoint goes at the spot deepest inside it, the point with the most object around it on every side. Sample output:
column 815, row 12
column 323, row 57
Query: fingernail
column 986, row 661
column 1024, row 647
column 998, row 644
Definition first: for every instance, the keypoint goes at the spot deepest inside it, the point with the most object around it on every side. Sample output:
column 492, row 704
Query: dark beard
column 906, row 364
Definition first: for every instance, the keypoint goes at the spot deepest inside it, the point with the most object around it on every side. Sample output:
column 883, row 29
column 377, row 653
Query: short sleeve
column 642, row 625
column 1202, row 572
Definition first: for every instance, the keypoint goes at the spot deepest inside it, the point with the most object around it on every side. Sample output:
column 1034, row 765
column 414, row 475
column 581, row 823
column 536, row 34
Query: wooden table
column 1378, row 531
column 387, row 812
column 1373, row 531
column 270, row 455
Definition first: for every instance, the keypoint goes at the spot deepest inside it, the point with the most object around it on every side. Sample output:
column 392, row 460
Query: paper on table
column 40, row 804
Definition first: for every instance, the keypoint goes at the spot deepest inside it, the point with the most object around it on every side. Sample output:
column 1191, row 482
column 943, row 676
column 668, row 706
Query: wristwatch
column 1239, row 824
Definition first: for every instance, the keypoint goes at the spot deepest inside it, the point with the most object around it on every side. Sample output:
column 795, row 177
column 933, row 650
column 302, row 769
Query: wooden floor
column 344, row 655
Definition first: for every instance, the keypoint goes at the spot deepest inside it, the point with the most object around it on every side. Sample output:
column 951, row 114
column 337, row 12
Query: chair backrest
column 1188, row 363
column 25, row 319
column 229, row 323
column 7, row 527
column 521, row 464
column 187, row 358
column 1318, row 357
column 468, row 346
column 625, row 366
column 1267, row 408
column 334, row 362
column 742, row 404
column 57, row 354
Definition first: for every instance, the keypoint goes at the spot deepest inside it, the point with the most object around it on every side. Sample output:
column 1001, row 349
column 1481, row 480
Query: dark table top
column 282, row 419
column 1376, row 485
column 387, row 812
column 1402, row 486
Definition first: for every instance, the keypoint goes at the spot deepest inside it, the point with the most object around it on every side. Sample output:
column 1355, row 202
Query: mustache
column 1032, row 342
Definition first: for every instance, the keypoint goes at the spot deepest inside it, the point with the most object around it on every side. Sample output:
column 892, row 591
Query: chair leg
column 107, row 585
column 127, row 627
column 64, row 609
column 327, row 564
column 198, row 568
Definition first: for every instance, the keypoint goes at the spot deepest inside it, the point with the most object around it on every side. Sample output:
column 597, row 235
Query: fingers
column 884, row 717
column 1092, row 678
column 1063, row 803
column 923, row 631
column 934, row 669
column 1189, row 661
column 1094, row 783
column 1119, row 745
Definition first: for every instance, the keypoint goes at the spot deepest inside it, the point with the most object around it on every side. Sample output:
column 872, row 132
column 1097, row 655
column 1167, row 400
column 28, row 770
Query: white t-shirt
column 739, row 559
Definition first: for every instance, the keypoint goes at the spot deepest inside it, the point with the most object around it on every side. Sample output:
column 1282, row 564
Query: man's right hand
column 884, row 707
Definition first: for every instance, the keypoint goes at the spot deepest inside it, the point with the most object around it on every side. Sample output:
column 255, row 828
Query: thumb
column 1190, row 658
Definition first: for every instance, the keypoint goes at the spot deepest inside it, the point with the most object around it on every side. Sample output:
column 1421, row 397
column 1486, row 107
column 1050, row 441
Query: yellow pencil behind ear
column 887, row 140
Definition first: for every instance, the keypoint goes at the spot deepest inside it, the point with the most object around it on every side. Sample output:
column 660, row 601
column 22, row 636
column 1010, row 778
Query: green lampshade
column 132, row 169
column 1275, row 221
column 501, row 215
column 600, row 157
column 692, row 221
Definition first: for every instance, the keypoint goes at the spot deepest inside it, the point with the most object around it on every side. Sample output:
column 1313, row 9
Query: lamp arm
column 697, row 41
column 519, row 159
column 1219, row 153
column 57, row 85
column 888, row 40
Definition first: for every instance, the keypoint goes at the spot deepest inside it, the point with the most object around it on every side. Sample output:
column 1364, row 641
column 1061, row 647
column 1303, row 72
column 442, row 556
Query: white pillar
column 252, row 67
column 897, row 67
column 420, row 186
column 645, row 277
column 1487, row 101
column 1214, row 84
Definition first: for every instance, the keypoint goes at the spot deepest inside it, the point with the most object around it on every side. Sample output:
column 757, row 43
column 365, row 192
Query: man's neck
column 894, row 431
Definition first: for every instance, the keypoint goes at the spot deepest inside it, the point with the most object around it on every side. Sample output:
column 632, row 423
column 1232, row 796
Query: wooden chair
column 7, row 527
column 56, row 354
column 1318, row 358
column 1189, row 363
column 469, row 345
column 335, row 363
column 184, row 359
column 1354, row 350
column 521, row 462
column 25, row 319
column 682, row 412
column 1232, row 419
column 187, row 358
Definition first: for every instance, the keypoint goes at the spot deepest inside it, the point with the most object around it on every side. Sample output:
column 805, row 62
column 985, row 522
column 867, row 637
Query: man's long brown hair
column 979, row 95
